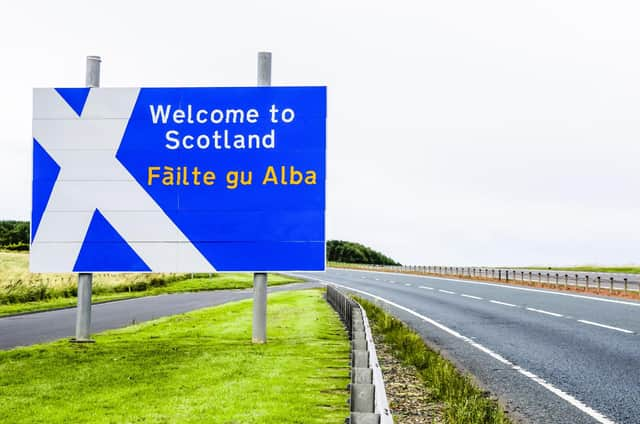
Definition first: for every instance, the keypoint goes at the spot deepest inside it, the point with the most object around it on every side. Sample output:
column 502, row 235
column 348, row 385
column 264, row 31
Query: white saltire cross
column 92, row 178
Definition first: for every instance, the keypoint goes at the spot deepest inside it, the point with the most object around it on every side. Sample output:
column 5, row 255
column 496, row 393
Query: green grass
column 55, row 298
column 192, row 368
column 589, row 268
column 464, row 402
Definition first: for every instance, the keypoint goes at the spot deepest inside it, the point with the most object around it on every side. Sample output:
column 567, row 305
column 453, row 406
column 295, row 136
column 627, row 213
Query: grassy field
column 196, row 367
column 21, row 291
column 633, row 269
column 464, row 402
column 589, row 268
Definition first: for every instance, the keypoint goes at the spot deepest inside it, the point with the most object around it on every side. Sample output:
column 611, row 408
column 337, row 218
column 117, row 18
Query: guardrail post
column 586, row 282
column 576, row 281
column 598, row 284
column 610, row 284
column 625, row 285
column 499, row 275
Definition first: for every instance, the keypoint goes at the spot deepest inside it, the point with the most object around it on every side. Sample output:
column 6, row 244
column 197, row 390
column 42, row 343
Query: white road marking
column 408, row 285
column 605, row 326
column 504, row 303
column 504, row 286
column 446, row 291
column 426, row 288
column 471, row 297
column 553, row 314
column 563, row 395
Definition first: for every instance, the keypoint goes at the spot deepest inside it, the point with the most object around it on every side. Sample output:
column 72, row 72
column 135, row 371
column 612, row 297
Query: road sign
column 178, row 179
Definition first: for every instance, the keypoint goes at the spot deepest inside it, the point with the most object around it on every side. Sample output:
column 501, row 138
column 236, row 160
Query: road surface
column 550, row 357
column 23, row 330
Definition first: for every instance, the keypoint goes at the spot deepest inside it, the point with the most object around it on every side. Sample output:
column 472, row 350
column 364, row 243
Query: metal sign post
column 260, row 278
column 83, row 313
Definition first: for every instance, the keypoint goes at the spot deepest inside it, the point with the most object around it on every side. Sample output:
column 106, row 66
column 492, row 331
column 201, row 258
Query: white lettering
column 160, row 112
column 169, row 137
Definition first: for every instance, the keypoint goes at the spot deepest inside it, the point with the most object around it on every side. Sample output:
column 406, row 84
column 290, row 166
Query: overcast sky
column 459, row 132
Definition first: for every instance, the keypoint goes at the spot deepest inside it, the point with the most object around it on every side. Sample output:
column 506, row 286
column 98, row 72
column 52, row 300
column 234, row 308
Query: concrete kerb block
column 362, row 375
column 362, row 398
column 359, row 335
column 357, row 325
column 360, row 359
column 364, row 418
column 360, row 344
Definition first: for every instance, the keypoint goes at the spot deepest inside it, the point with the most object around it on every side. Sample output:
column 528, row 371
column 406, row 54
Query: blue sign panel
column 179, row 179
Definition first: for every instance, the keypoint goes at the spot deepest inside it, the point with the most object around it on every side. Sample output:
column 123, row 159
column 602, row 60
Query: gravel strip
column 409, row 398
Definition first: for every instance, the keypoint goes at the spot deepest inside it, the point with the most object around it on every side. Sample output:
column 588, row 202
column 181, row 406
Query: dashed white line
column 553, row 314
column 446, row 291
column 408, row 285
column 426, row 288
column 565, row 396
column 471, row 297
column 605, row 326
column 504, row 303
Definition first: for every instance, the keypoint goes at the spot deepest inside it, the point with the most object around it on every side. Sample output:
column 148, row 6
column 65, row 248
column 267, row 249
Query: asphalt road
column 23, row 330
column 550, row 357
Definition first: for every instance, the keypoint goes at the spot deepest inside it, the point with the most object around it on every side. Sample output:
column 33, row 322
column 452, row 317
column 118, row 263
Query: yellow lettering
column 209, row 178
column 310, row 177
column 232, row 180
column 295, row 176
column 270, row 176
column 167, row 176
column 151, row 175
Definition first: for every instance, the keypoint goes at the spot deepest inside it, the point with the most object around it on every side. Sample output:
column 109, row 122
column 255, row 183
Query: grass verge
column 104, row 293
column 191, row 368
column 464, row 403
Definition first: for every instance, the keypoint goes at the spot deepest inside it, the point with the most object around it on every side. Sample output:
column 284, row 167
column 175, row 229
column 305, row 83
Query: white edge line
column 565, row 396
column 504, row 303
column 584, row 321
column 553, row 314
column 505, row 286
column 471, row 297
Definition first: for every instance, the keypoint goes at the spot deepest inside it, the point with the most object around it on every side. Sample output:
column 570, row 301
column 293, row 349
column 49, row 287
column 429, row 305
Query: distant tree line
column 14, row 235
column 355, row 253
